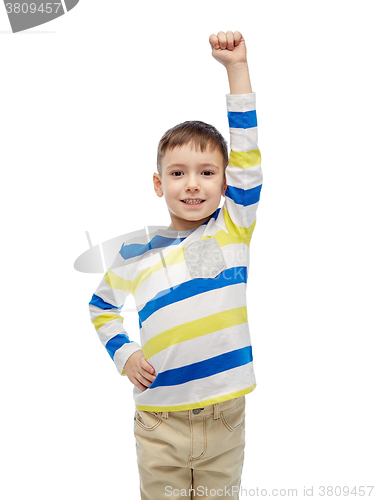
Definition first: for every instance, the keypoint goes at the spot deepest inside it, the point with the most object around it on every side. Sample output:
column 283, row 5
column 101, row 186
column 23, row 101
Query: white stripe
column 96, row 311
column 241, row 216
column 162, row 280
column 241, row 102
column 244, row 178
column 243, row 140
column 223, row 383
column 236, row 254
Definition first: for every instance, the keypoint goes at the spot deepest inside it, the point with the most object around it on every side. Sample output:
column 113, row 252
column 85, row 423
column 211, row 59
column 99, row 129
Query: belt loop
column 216, row 411
column 164, row 414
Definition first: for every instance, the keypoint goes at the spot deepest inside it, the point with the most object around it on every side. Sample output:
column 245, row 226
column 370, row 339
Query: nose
column 192, row 183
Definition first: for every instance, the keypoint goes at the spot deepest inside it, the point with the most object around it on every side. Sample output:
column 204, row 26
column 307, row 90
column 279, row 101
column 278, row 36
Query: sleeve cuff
column 241, row 102
column 123, row 354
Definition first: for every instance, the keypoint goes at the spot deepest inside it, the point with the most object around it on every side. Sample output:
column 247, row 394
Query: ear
column 157, row 184
column 224, row 186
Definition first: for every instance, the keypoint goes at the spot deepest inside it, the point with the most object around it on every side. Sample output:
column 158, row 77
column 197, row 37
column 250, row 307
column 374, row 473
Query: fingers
column 146, row 365
column 214, row 41
column 222, row 37
column 228, row 40
column 135, row 382
column 238, row 38
column 145, row 373
column 147, row 376
column 142, row 380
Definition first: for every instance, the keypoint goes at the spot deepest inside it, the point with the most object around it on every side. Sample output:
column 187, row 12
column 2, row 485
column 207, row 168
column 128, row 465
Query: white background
column 84, row 101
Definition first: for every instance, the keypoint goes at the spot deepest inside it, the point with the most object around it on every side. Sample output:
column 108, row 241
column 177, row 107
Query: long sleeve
column 243, row 174
column 105, row 307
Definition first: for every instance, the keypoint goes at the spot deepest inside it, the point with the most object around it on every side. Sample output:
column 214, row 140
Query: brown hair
column 198, row 134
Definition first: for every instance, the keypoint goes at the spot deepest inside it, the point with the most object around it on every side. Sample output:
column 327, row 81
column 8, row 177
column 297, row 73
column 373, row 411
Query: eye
column 208, row 172
column 177, row 172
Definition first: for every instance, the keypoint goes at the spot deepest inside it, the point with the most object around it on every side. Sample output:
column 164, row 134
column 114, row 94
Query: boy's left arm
column 244, row 173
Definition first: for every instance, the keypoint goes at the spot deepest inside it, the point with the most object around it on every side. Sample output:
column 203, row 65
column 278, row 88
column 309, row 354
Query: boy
column 189, row 283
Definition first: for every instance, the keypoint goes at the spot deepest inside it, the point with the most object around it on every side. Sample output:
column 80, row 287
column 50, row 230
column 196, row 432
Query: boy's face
column 187, row 173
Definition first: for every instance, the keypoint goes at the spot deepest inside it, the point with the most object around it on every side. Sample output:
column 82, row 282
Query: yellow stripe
column 245, row 159
column 205, row 403
column 194, row 329
column 118, row 283
column 245, row 233
column 224, row 238
column 174, row 257
column 105, row 318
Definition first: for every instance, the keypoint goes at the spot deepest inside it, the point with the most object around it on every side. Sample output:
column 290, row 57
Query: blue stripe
column 243, row 197
column 205, row 368
column 244, row 119
column 116, row 342
column 137, row 249
column 190, row 288
column 99, row 302
column 132, row 250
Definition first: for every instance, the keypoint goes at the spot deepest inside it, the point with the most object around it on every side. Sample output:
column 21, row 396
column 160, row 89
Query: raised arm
column 243, row 174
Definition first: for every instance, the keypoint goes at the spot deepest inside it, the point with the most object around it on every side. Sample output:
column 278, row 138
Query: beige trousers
column 193, row 453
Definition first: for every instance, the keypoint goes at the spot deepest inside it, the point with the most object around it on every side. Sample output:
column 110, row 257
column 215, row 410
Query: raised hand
column 228, row 48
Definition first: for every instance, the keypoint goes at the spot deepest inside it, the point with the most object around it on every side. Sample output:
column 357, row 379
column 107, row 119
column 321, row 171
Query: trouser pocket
column 234, row 418
column 147, row 420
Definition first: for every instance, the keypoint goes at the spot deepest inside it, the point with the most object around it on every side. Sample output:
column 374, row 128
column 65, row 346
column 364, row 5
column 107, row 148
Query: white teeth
column 193, row 202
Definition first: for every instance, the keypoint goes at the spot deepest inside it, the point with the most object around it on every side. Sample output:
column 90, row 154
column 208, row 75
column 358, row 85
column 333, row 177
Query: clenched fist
column 228, row 48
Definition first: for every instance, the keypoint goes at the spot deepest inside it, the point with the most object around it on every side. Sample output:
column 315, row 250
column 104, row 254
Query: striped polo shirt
column 189, row 289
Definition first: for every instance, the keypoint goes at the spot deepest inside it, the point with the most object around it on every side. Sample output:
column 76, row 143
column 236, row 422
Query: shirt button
column 197, row 410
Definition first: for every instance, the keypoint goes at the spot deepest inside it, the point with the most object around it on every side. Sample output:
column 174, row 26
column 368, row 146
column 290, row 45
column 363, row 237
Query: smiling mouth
column 196, row 201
